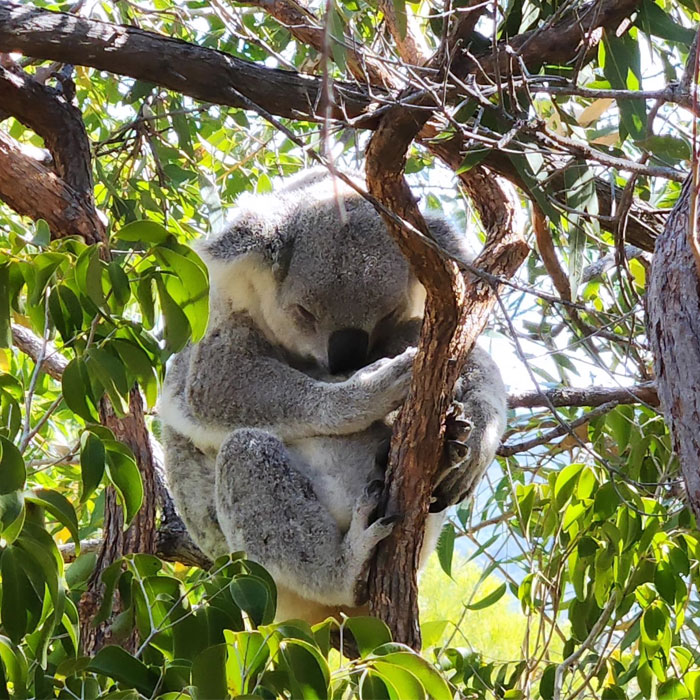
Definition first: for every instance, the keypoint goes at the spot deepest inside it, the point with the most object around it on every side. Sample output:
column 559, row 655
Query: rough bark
column 32, row 190
column 673, row 318
column 140, row 536
column 51, row 115
column 60, row 124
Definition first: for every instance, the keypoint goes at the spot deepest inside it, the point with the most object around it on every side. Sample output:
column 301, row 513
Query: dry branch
column 32, row 345
column 587, row 396
column 514, row 448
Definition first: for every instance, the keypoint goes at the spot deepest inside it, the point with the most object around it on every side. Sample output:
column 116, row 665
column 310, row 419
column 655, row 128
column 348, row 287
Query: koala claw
column 391, row 519
column 375, row 487
column 459, row 450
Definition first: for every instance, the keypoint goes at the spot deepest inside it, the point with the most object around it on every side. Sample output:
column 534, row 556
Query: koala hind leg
column 269, row 509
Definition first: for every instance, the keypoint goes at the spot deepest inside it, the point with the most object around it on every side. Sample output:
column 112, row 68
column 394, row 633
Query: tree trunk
column 673, row 319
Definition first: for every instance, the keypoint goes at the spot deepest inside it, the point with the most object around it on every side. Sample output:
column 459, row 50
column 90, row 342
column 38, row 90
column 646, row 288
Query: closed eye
column 305, row 315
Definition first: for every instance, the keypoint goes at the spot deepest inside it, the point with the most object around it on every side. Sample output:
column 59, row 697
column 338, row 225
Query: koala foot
column 365, row 533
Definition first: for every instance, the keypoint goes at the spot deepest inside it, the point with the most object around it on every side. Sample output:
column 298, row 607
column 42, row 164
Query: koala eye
column 305, row 315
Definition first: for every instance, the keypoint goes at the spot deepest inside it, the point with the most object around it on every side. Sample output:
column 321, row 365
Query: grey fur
column 269, row 452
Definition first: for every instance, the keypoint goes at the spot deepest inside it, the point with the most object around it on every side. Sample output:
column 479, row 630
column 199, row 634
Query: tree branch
column 32, row 190
column 305, row 27
column 30, row 344
column 205, row 74
column 587, row 396
column 57, row 121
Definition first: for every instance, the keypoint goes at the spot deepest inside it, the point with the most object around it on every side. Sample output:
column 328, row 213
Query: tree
column 128, row 129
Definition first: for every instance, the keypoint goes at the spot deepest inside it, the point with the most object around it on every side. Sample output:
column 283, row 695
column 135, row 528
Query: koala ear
column 249, row 233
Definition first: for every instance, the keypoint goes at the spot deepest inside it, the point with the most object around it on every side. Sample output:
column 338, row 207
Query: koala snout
column 347, row 350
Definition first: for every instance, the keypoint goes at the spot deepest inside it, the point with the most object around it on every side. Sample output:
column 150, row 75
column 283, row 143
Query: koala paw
column 365, row 533
column 454, row 481
column 387, row 381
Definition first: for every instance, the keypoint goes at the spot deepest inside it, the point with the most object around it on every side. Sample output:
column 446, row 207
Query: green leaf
column 373, row 687
column 5, row 331
column 140, row 367
column 400, row 680
column 667, row 147
column 88, row 275
column 15, row 586
column 657, row 22
column 672, row 689
column 620, row 59
column 42, row 233
column 566, row 483
column 14, row 664
column 490, row 599
column 665, row 582
column 247, row 655
column 144, row 295
column 369, row 633
column 425, row 672
column 80, row 570
column 147, row 232
column 188, row 287
column 75, row 384
column 117, row 663
column 308, row 669
column 121, row 291
column 446, row 547
column 177, row 327
column 12, row 470
column 126, row 479
column 60, row 507
column 66, row 312
column 252, row 595
column 547, row 682
column 209, row 673
column 109, row 371
column 12, row 513
column 92, row 464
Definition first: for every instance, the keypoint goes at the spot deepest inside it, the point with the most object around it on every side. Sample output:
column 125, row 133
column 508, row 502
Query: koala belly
column 341, row 467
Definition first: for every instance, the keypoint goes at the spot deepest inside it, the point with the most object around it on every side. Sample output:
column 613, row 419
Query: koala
column 276, row 424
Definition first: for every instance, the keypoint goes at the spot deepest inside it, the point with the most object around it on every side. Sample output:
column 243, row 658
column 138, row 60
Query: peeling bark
column 673, row 326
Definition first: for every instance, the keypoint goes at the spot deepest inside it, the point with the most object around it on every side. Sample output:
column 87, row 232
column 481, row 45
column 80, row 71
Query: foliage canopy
column 581, row 530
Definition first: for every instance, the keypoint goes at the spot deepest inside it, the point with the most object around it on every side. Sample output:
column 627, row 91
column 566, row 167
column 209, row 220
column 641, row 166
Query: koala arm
column 235, row 379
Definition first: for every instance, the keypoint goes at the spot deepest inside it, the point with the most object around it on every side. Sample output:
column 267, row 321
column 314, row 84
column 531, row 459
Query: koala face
column 345, row 285
column 324, row 286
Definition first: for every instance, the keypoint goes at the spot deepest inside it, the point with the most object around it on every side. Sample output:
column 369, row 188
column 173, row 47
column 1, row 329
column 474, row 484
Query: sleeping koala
column 276, row 424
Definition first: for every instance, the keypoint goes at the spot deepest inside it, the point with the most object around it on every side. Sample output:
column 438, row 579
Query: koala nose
column 347, row 350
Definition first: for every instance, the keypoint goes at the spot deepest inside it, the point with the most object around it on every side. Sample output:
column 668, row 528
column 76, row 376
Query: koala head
column 323, row 285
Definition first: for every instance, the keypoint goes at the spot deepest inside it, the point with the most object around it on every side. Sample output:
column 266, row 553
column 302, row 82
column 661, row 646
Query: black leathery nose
column 347, row 350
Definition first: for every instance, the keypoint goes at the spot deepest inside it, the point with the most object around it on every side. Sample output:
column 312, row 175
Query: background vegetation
column 584, row 557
